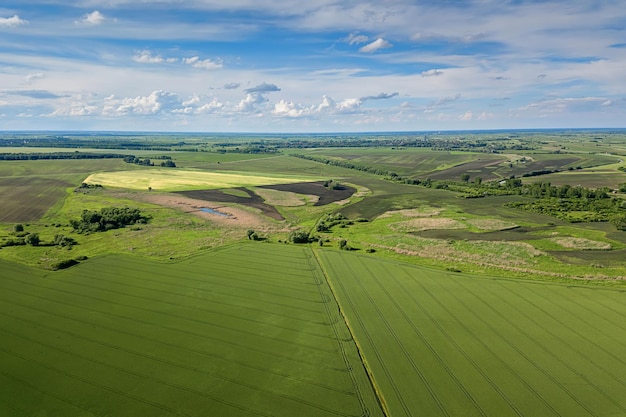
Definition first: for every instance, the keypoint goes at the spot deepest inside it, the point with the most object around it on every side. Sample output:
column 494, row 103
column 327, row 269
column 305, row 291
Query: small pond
column 213, row 211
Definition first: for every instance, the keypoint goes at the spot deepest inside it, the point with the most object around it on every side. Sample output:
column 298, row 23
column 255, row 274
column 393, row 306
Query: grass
column 246, row 331
column 447, row 344
column 179, row 180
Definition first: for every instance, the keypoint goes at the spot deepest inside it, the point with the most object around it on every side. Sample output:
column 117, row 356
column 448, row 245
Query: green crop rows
column 245, row 331
column 445, row 344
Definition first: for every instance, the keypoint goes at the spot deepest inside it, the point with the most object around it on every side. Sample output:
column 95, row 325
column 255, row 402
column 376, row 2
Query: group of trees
column 167, row 161
column 107, row 218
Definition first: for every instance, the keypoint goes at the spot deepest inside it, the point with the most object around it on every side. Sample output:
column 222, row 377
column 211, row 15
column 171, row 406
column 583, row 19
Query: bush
column 64, row 264
column 18, row 228
column 299, row 236
column 32, row 239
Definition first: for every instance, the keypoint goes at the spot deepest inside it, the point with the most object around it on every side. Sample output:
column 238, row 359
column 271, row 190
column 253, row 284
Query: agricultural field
column 446, row 344
column 177, row 180
column 250, row 330
column 394, row 303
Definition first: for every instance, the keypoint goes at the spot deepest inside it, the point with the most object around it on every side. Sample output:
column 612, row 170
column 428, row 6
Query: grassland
column 246, row 331
column 446, row 344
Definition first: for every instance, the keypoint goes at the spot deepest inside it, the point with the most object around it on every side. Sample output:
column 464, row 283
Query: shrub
column 299, row 236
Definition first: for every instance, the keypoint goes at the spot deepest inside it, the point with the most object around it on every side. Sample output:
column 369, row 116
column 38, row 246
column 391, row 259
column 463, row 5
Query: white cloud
column 263, row 88
column 12, row 21
column 289, row 109
column 157, row 102
column 250, row 103
column 467, row 116
column 146, row 57
column 93, row 18
column 372, row 47
column 348, row 105
column 207, row 64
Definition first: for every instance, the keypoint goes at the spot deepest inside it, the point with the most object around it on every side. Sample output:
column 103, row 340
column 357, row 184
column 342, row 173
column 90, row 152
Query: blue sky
column 314, row 66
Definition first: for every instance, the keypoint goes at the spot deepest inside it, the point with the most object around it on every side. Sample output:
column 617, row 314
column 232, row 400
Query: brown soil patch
column 581, row 243
column 229, row 216
column 416, row 212
column 26, row 199
column 426, row 223
column 253, row 200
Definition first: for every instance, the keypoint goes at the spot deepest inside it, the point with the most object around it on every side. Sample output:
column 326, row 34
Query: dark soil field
column 253, row 200
column 26, row 199
column 326, row 196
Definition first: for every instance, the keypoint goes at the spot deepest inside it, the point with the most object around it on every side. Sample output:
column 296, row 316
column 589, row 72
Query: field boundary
column 370, row 376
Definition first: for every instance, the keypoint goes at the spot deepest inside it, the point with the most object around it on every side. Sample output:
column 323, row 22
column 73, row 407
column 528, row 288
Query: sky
column 281, row 66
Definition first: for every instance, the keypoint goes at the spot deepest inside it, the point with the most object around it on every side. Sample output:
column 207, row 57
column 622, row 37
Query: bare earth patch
column 581, row 243
column 492, row 225
column 223, row 215
column 419, row 224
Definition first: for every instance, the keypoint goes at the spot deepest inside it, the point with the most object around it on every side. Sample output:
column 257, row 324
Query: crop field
column 446, row 344
column 30, row 188
column 250, row 330
column 178, row 180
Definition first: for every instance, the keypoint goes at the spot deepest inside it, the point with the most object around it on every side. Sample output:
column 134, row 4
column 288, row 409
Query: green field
column 459, row 292
column 246, row 331
column 254, row 329
column 445, row 344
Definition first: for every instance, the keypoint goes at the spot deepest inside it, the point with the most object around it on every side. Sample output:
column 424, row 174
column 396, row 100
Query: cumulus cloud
column 93, row 18
column 262, row 88
column 468, row 115
column 12, row 21
column 381, row 96
column 146, row 57
column 431, row 73
column 290, row 109
column 157, row 102
column 207, row 64
column 250, row 103
column 372, row 47
column 348, row 105
column 231, row 86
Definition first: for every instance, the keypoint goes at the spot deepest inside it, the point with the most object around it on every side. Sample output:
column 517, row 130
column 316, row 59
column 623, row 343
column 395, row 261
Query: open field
column 177, row 180
column 446, row 344
column 250, row 330
column 178, row 316
column 30, row 188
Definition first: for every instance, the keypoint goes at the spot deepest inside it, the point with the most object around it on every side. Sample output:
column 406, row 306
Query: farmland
column 394, row 304
column 244, row 331
column 444, row 344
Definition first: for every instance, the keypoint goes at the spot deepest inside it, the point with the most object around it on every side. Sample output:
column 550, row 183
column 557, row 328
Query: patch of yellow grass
column 179, row 180
column 581, row 243
column 426, row 223
column 491, row 224
column 285, row 198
